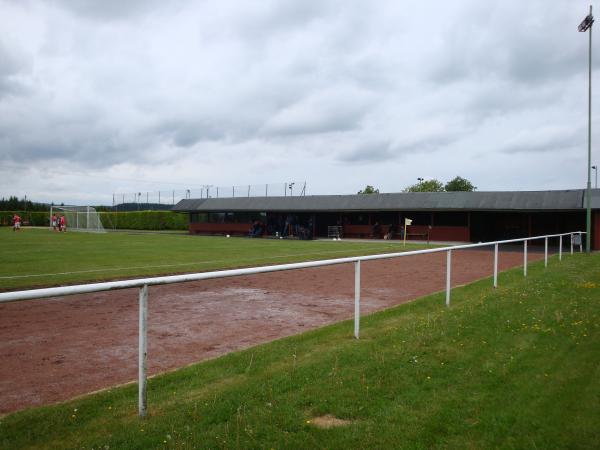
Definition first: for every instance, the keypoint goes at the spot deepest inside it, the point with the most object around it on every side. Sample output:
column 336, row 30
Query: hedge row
column 144, row 220
column 38, row 219
column 138, row 220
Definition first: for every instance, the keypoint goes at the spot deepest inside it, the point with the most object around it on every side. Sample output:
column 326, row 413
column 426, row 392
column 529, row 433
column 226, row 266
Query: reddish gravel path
column 54, row 349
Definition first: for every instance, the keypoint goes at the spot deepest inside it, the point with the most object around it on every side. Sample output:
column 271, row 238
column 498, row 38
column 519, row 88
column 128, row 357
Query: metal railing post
column 448, row 275
column 142, row 381
column 524, row 258
column 495, row 265
column 571, row 243
column 560, row 248
column 545, row 252
column 581, row 243
column 356, row 298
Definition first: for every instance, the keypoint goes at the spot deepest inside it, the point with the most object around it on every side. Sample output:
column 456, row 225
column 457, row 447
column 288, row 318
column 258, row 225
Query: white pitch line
column 114, row 269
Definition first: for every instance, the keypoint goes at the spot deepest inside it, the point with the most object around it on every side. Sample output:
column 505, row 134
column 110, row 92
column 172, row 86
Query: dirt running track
column 54, row 349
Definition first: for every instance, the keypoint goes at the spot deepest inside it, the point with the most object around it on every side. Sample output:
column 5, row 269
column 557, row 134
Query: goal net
column 78, row 218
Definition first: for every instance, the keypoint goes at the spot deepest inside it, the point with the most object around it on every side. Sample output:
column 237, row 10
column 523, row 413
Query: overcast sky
column 120, row 96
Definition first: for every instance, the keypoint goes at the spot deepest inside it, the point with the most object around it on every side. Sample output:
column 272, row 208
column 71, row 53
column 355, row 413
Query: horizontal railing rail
column 144, row 283
column 32, row 294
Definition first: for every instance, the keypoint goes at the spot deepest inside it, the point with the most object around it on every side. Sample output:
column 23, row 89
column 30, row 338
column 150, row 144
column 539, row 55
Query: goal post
column 78, row 218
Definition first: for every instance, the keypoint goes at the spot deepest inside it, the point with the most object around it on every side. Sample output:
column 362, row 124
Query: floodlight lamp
column 586, row 23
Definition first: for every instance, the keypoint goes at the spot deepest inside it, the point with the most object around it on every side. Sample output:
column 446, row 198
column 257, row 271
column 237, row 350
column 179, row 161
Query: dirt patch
column 328, row 421
column 54, row 349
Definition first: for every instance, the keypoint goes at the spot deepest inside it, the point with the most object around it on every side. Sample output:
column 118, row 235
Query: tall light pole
column 584, row 26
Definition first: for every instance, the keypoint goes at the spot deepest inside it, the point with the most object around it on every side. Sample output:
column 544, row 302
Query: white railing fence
column 144, row 283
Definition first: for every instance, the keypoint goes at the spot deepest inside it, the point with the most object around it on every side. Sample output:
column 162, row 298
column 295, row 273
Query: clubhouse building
column 437, row 216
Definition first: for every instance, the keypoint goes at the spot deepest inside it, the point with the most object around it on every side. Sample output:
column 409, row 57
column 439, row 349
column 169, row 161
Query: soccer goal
column 78, row 218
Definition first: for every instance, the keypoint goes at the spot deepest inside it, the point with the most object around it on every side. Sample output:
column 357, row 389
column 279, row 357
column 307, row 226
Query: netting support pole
column 142, row 382
column 545, row 252
column 524, row 258
column 448, row 275
column 356, row 298
column 495, row 265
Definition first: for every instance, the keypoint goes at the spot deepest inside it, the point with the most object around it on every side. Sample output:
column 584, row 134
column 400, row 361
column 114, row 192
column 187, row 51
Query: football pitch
column 513, row 367
column 40, row 258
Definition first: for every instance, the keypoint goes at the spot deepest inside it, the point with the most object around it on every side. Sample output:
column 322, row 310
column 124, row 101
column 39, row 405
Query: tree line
column 433, row 185
column 13, row 203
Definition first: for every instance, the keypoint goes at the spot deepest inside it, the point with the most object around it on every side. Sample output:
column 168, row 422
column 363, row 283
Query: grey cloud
column 380, row 150
column 545, row 140
column 263, row 19
column 431, row 143
column 12, row 68
column 82, row 140
column 111, row 9
column 497, row 98
column 376, row 151
column 493, row 43
column 534, row 59
column 298, row 121
column 183, row 133
column 337, row 110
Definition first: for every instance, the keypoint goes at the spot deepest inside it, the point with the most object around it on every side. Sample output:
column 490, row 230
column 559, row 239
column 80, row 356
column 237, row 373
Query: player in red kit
column 16, row 222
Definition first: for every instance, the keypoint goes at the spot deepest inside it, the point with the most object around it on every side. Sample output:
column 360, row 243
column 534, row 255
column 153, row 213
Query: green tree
column 432, row 185
column 369, row 190
column 14, row 204
column 459, row 184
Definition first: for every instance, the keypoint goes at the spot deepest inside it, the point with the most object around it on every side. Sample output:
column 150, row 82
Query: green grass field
column 516, row 367
column 37, row 257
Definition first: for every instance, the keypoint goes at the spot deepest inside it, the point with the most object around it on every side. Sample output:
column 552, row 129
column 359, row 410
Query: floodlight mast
column 584, row 26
